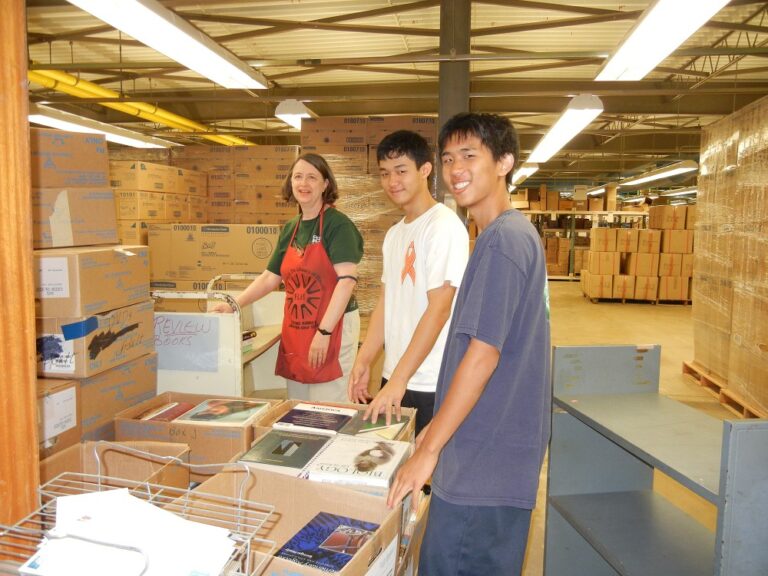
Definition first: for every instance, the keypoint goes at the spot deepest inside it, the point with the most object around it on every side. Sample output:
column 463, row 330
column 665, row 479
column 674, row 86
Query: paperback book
column 166, row 412
column 328, row 541
column 224, row 412
column 284, row 452
column 358, row 461
column 315, row 418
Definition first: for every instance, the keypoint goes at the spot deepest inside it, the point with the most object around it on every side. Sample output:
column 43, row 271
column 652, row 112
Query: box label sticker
column 56, row 354
column 59, row 413
column 384, row 564
column 53, row 274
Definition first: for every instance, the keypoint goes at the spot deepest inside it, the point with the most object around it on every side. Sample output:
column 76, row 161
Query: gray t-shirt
column 495, row 456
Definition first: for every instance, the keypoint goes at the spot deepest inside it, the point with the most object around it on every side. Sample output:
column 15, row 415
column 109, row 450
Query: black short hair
column 331, row 193
column 495, row 132
column 405, row 143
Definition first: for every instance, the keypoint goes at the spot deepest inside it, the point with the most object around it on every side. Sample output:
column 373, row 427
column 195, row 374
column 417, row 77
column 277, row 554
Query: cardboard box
column 641, row 264
column 73, row 217
column 673, row 288
column 686, row 268
column 627, row 239
column 599, row 286
column 200, row 251
column 198, row 209
column 177, row 207
column 191, row 182
column 262, row 152
column 76, row 347
column 296, row 501
column 354, row 124
column 208, row 444
column 667, row 217
column 596, row 203
column 553, row 199
column 68, row 159
column 646, row 287
column 677, row 241
column 649, row 241
column 134, row 231
column 136, row 175
column 140, row 205
column 121, row 460
column 602, row 239
column 690, row 217
column 74, row 282
column 670, row 264
column 624, row 287
column 104, row 395
column 58, row 407
column 602, row 263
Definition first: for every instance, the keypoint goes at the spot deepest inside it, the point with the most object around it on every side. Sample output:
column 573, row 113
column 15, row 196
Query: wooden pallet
column 718, row 387
column 637, row 301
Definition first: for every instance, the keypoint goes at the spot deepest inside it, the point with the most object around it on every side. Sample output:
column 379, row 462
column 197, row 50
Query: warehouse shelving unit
column 611, row 430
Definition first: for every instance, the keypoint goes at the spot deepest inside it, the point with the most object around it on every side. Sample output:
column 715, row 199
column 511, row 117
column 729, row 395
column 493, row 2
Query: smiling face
column 308, row 186
column 403, row 182
column 471, row 173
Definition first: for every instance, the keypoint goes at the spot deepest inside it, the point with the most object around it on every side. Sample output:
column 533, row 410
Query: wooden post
column 18, row 413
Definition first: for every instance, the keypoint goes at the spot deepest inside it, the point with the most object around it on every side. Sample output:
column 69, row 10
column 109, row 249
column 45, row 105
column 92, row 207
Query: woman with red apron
column 316, row 258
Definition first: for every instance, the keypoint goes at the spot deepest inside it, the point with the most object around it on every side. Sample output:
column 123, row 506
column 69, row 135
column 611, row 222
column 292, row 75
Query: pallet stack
column 654, row 264
column 94, row 321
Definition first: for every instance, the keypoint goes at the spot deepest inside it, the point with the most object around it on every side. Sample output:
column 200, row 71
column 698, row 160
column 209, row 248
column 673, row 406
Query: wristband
column 324, row 332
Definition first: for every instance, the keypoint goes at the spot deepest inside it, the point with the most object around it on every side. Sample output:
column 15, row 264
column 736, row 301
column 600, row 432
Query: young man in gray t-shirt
column 487, row 440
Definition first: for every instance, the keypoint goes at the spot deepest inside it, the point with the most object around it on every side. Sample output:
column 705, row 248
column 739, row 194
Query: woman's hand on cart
column 221, row 307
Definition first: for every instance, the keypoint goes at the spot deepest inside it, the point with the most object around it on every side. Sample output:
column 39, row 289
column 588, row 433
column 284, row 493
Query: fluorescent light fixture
column 291, row 112
column 664, row 172
column 691, row 190
column 524, row 172
column 152, row 24
column 596, row 191
column 581, row 110
column 53, row 118
column 661, row 29
column 633, row 199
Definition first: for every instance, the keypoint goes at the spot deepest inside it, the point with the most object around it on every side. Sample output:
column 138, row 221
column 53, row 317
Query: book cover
column 315, row 418
column 379, row 428
column 166, row 412
column 328, row 541
column 356, row 460
column 284, row 452
column 224, row 412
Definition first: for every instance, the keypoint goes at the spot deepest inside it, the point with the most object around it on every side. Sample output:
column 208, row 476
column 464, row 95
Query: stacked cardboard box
column 153, row 193
column 93, row 313
column 259, row 173
column 730, row 283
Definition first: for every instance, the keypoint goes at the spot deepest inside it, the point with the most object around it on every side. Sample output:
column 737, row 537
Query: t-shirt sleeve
column 493, row 295
column 448, row 251
column 276, row 260
column 343, row 241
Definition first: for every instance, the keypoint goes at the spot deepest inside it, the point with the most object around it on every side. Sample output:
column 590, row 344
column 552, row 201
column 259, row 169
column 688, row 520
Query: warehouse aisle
column 576, row 321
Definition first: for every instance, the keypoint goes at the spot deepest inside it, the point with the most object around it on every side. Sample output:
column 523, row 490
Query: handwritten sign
column 188, row 342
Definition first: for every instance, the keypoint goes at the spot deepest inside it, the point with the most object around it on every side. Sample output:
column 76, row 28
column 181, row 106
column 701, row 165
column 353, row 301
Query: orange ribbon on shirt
column 408, row 266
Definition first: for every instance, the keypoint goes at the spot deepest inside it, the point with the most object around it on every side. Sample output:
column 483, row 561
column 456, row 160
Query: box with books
column 224, row 412
column 121, row 460
column 297, row 503
column 411, row 534
column 283, row 451
column 366, row 464
column 208, row 443
column 316, row 413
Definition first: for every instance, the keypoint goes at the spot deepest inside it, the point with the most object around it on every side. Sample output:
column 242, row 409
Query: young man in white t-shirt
column 424, row 257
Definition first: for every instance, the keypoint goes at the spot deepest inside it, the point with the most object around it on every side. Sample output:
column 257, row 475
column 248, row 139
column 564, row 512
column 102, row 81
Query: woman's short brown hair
column 331, row 193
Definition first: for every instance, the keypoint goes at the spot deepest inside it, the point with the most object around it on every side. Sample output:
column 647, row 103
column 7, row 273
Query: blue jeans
column 472, row 540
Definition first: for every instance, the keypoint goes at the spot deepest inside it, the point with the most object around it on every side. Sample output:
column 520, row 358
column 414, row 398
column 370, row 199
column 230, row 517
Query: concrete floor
column 577, row 321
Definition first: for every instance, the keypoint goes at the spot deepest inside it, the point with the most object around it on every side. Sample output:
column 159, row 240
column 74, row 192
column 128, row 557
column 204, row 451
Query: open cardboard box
column 407, row 434
column 295, row 503
column 118, row 462
column 208, row 444
column 409, row 557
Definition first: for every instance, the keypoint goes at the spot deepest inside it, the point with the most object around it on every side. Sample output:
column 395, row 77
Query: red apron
column 309, row 279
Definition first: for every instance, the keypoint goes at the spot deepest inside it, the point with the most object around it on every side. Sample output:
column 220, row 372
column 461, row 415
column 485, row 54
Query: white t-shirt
column 419, row 256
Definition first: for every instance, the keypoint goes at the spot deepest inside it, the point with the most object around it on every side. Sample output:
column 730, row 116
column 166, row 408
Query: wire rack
column 244, row 519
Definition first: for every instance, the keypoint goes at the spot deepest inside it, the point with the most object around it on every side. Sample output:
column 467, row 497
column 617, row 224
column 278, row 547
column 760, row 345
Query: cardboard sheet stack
column 95, row 343
column 730, row 283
